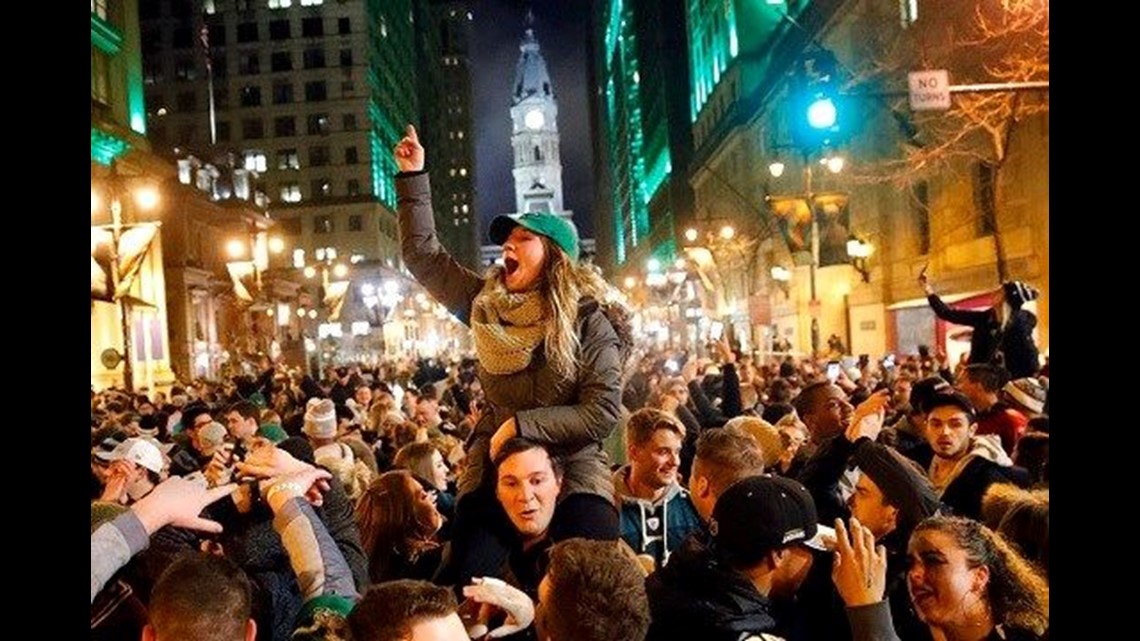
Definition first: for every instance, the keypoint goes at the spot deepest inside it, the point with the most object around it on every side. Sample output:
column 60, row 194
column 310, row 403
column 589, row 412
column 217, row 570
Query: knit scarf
column 506, row 326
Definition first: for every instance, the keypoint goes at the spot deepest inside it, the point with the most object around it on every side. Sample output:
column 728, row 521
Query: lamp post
column 834, row 164
column 146, row 197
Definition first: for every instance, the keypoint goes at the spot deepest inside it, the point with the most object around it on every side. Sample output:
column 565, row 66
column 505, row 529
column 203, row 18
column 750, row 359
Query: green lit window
column 100, row 76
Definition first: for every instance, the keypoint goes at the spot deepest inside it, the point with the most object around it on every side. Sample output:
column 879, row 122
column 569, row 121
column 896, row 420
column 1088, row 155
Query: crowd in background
column 392, row 440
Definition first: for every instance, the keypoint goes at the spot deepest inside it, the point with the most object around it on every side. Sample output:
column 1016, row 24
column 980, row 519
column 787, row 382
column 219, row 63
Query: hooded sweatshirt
column 984, row 464
column 655, row 528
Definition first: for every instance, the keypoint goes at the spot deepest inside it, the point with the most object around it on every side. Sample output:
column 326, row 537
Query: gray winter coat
column 569, row 417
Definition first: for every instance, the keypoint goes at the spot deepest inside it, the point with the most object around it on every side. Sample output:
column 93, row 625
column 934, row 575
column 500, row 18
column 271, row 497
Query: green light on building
column 105, row 147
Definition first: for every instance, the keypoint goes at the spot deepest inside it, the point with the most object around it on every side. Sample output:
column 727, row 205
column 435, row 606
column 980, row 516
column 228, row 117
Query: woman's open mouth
column 511, row 265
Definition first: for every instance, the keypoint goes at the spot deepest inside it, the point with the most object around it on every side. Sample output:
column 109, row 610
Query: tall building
column 311, row 95
column 534, row 134
column 453, row 161
column 130, row 326
column 970, row 216
column 644, row 141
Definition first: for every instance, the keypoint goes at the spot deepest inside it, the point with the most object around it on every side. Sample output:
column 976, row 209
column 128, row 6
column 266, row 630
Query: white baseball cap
column 141, row 452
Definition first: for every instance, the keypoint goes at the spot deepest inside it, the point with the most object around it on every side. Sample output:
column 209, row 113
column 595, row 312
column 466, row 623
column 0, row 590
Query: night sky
column 560, row 26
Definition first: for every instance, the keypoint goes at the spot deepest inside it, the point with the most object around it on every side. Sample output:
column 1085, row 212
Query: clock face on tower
column 534, row 119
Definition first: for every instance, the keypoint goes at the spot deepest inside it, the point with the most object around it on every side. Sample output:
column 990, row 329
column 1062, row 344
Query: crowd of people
column 563, row 483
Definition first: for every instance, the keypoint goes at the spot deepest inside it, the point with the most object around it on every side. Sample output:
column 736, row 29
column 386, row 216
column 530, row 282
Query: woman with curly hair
column 550, row 339
column 967, row 583
column 398, row 523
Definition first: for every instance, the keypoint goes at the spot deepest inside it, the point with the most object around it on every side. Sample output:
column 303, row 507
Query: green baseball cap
column 558, row 229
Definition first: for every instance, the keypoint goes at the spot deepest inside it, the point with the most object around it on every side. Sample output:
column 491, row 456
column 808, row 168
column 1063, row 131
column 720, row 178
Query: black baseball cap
column 759, row 514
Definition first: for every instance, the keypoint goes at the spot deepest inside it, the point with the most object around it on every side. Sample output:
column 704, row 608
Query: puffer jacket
column 570, row 417
column 681, row 518
column 697, row 597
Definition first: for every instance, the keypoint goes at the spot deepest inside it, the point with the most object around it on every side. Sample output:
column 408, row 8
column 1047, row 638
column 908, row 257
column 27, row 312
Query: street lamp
column 125, row 257
column 859, row 251
column 782, row 275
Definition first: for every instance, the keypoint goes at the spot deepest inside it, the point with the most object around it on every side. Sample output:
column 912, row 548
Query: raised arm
column 970, row 318
column 175, row 501
column 449, row 282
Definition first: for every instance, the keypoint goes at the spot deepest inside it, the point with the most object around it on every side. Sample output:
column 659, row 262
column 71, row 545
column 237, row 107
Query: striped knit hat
column 1018, row 293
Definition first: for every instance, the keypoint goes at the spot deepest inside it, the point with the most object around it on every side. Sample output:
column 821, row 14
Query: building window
column 249, row 63
column 313, row 58
column 251, row 96
column 280, row 4
column 343, row 26
column 318, row 155
column 346, row 57
column 284, row 126
column 255, row 160
column 922, row 215
column 217, row 37
column 183, row 38
column 316, row 91
column 184, row 69
column 252, row 128
column 247, row 32
column 313, row 27
column 100, row 76
column 348, row 122
column 152, row 71
column 151, row 41
column 322, row 188
column 347, row 87
column 984, row 185
column 281, row 61
column 279, row 29
column 290, row 193
column 353, row 187
column 323, row 224
column 186, row 101
column 537, row 154
column 223, row 131
column 317, row 124
column 356, row 222
column 282, row 93
column 312, row 3
column 288, row 159
column 350, row 156
column 220, row 69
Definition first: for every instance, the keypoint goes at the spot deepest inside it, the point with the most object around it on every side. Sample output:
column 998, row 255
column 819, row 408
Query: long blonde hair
column 564, row 284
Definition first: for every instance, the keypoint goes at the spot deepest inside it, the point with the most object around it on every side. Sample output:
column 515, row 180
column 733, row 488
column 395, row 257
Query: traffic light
column 819, row 113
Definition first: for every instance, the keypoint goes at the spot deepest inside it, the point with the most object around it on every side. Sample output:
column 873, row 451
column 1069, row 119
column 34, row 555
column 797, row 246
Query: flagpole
column 205, row 38
column 124, row 302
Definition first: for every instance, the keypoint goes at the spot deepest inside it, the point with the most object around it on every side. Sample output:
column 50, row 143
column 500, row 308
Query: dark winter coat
column 696, row 597
column 569, row 417
column 1014, row 342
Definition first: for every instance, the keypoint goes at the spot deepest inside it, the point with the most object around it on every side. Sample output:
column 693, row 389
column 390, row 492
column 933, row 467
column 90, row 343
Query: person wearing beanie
column 1003, row 333
column 1026, row 395
column 320, row 421
column 550, row 335
column 983, row 384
